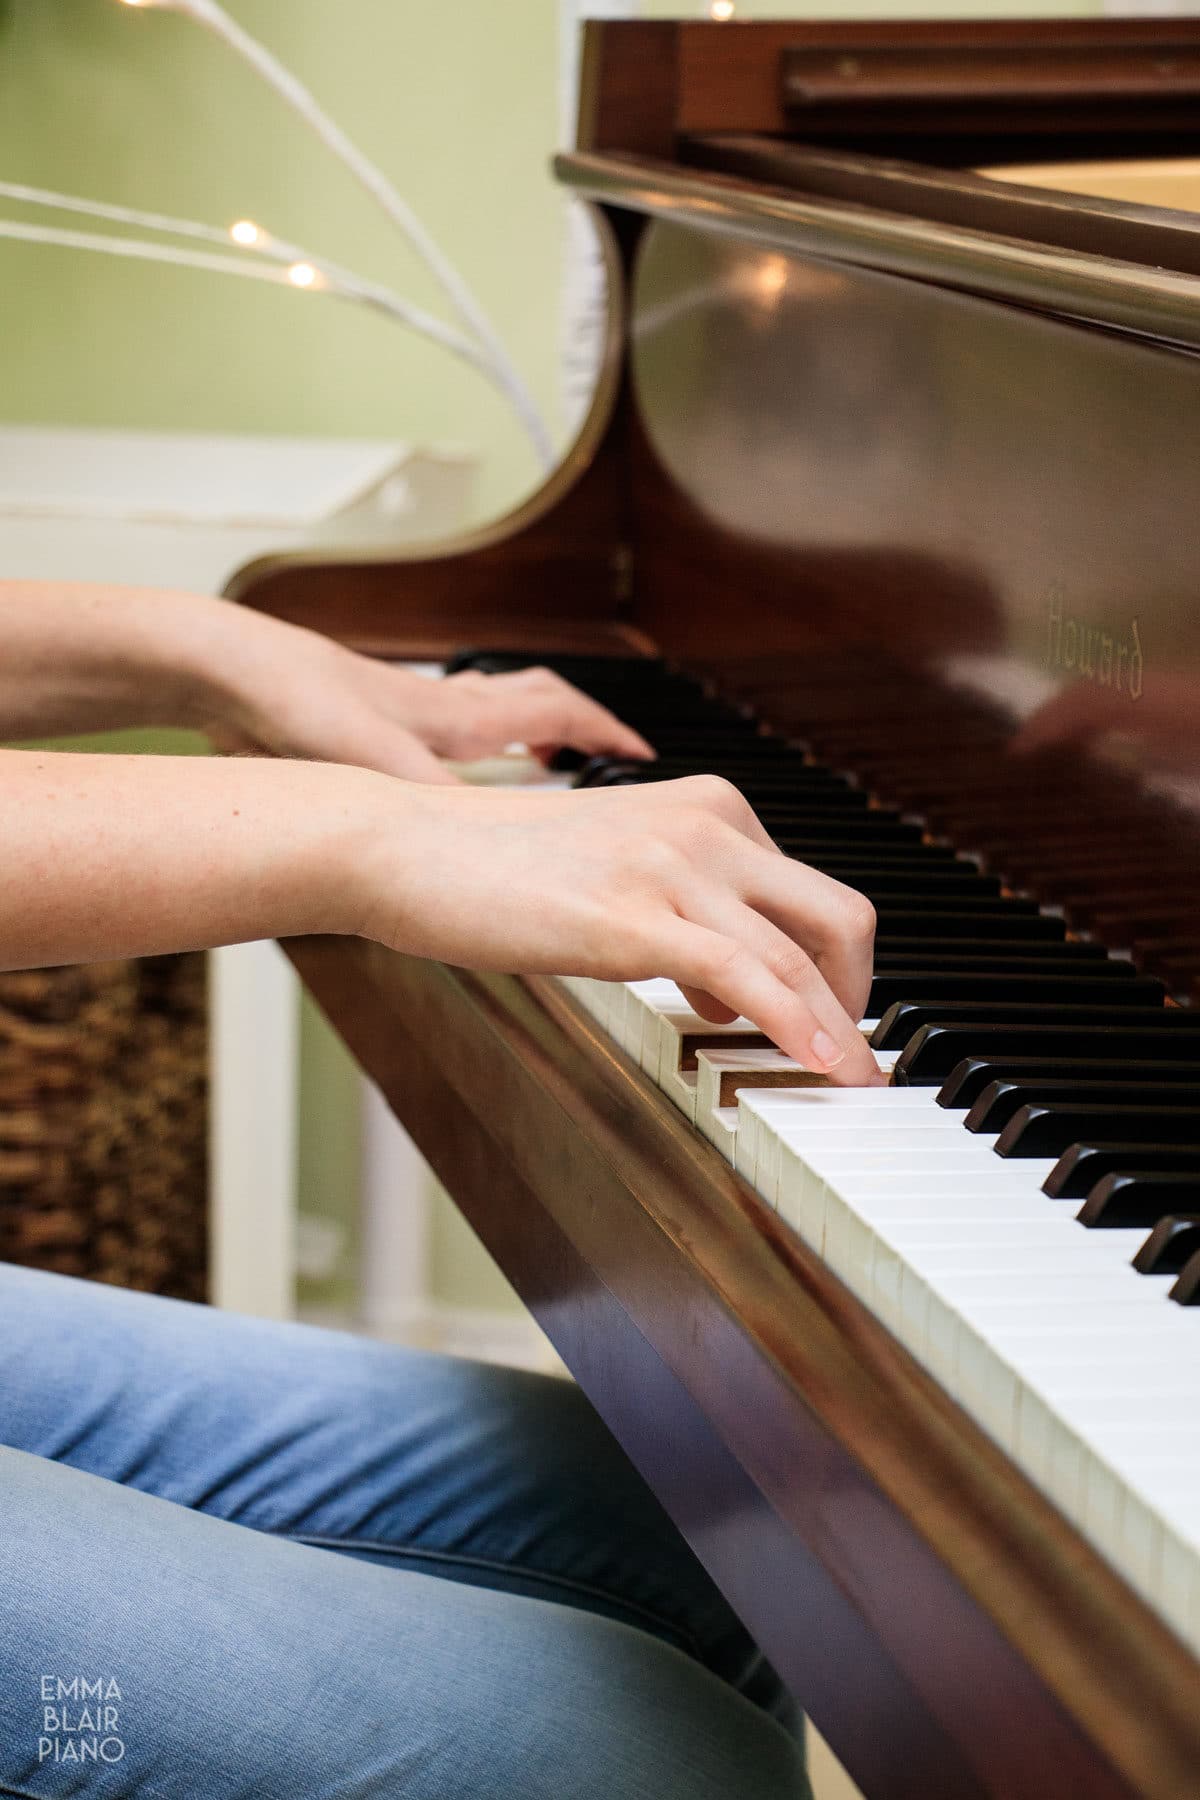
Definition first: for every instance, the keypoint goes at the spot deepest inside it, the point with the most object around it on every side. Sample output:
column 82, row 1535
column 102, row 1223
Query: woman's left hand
column 293, row 692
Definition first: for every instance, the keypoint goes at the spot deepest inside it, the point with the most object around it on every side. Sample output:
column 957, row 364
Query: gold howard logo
column 1086, row 650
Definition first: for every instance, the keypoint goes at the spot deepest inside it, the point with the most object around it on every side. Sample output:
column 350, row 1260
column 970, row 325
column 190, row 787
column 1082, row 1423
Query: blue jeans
column 241, row 1559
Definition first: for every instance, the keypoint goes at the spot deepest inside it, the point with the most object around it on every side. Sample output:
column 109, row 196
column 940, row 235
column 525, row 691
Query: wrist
column 220, row 659
column 331, row 844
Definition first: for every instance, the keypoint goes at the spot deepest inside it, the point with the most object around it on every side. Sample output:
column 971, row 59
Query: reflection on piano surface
column 885, row 511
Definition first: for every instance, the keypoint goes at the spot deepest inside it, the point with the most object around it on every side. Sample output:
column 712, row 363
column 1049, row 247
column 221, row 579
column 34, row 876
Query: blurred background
column 163, row 425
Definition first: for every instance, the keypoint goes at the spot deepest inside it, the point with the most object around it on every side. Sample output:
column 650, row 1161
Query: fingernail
column 826, row 1052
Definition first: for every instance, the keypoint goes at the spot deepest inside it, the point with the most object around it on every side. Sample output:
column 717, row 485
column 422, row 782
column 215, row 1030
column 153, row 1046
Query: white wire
column 344, row 282
column 111, row 244
column 144, row 250
column 304, row 103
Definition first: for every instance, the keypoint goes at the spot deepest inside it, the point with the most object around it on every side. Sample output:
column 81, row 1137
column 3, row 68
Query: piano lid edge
column 1154, row 303
column 564, row 543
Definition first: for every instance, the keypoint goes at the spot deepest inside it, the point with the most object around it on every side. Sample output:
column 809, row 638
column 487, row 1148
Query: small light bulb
column 302, row 275
column 722, row 11
column 245, row 231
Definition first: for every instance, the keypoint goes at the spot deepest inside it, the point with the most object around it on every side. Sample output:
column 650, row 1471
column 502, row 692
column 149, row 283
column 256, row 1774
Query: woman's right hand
column 675, row 879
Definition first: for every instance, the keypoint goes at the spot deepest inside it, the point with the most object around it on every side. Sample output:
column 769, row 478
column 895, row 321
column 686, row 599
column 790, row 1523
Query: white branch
column 145, row 250
column 342, row 283
column 304, row 103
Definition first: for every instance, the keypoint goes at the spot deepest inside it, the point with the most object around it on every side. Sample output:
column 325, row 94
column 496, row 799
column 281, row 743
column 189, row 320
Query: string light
column 304, row 103
column 720, row 10
column 246, row 233
column 116, row 244
column 341, row 283
column 301, row 276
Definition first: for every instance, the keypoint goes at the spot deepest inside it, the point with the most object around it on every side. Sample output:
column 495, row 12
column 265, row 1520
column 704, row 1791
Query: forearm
column 111, row 856
column 76, row 656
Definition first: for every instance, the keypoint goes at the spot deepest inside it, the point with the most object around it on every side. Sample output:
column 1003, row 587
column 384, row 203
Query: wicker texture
column 103, row 1122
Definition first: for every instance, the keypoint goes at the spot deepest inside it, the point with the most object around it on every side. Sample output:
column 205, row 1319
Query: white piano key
column 1080, row 1368
column 640, row 1028
column 720, row 1126
column 1150, row 1463
column 761, row 1071
column 811, row 1175
column 678, row 1024
column 745, row 1153
column 1179, row 1587
column 722, row 1072
column 595, row 996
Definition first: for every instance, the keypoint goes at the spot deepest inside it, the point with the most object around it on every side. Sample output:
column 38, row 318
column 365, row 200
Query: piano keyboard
column 1020, row 1207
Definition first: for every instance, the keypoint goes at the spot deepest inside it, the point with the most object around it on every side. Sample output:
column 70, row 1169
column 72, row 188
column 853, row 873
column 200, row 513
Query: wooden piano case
column 863, row 417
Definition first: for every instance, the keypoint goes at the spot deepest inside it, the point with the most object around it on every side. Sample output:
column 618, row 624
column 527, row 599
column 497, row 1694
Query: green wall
column 457, row 101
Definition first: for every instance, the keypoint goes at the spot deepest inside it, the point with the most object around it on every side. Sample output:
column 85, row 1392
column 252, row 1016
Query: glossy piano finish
column 918, row 493
column 947, row 1630
column 974, row 521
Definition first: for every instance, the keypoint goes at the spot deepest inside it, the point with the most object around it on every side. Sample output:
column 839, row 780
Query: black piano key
column 1002, row 1099
column 1172, row 1243
column 905, row 891
column 1045, row 1129
column 936, row 1048
column 1186, row 1291
column 895, row 921
column 649, row 714
column 968, row 1080
column 606, row 771
column 579, row 668
column 805, row 819
column 832, row 830
column 1050, row 949
column 1081, row 1166
column 777, row 803
column 749, row 748
column 982, row 907
column 695, row 745
column 566, row 761
column 933, row 883
column 1006, row 987
column 904, row 1019
column 1021, row 959
column 684, row 747
column 890, row 857
column 795, row 801
column 775, row 779
column 1127, row 1198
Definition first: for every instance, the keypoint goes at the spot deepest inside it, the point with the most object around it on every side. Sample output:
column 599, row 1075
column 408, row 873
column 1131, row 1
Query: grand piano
column 888, row 508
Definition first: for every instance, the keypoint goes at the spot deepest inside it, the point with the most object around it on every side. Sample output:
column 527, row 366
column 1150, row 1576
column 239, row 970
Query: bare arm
column 108, row 856
column 74, row 657
column 115, row 856
column 81, row 657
